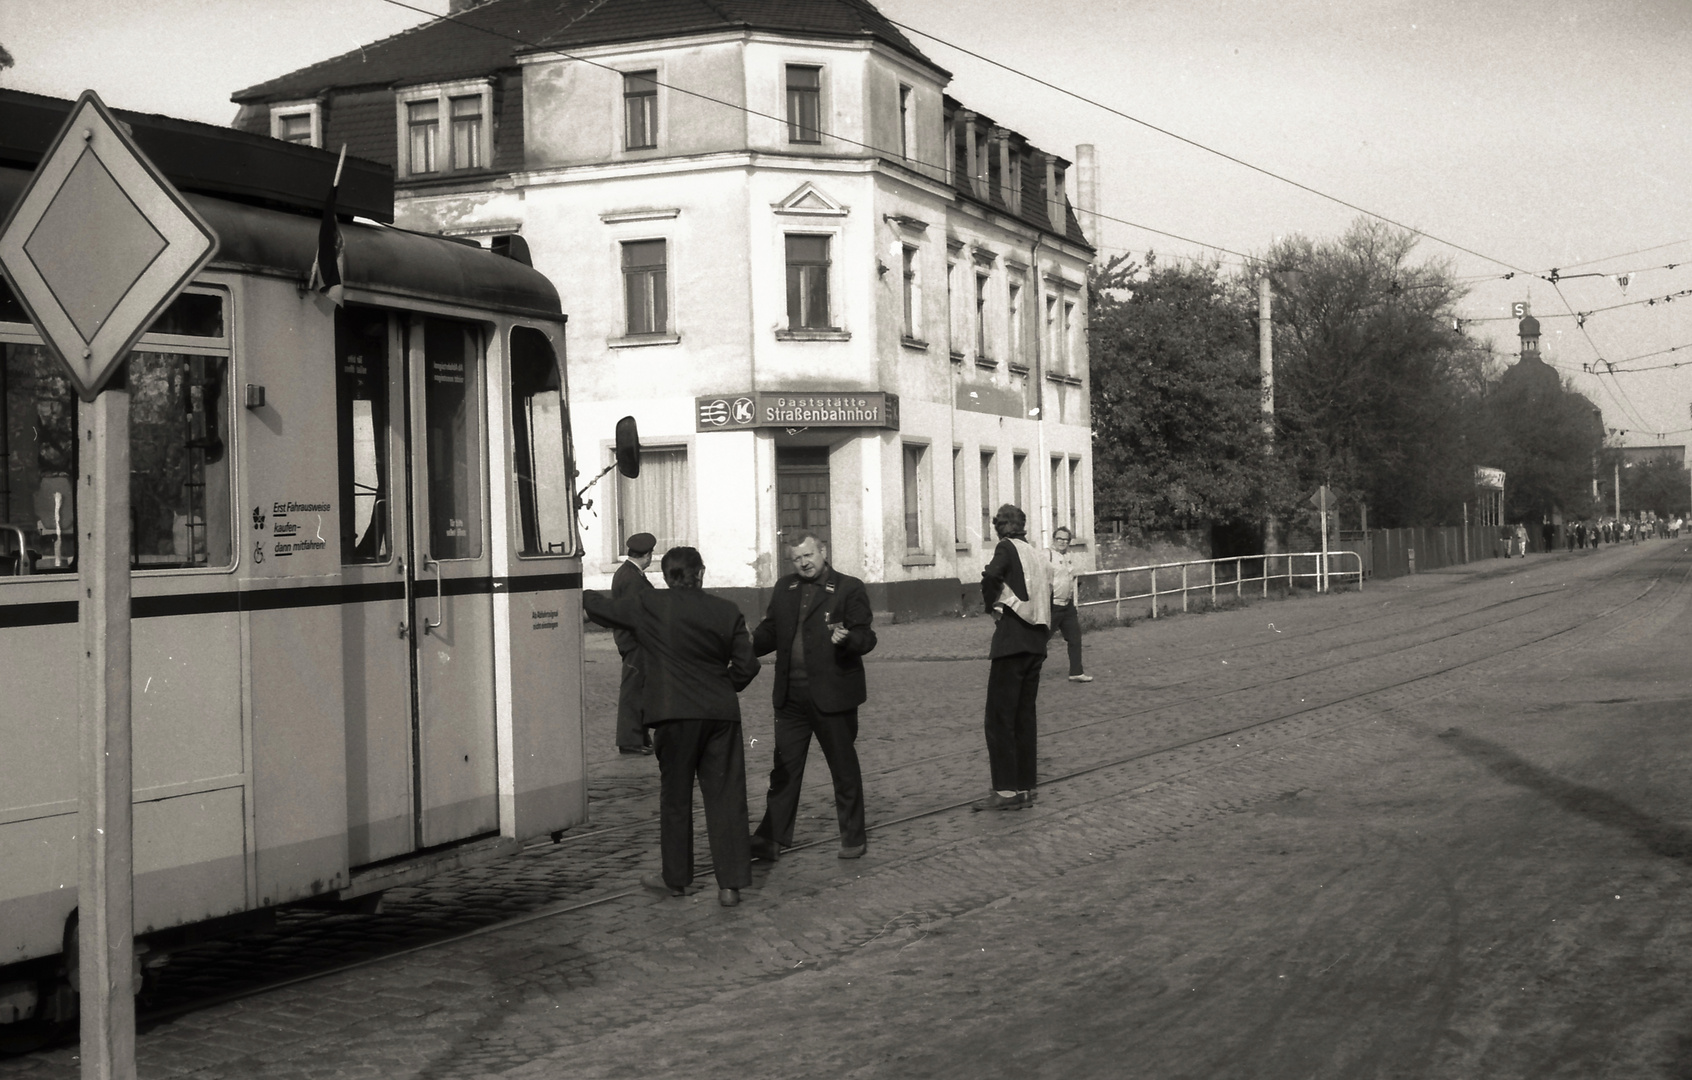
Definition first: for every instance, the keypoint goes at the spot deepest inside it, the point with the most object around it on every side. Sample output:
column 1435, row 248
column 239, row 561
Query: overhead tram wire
column 1209, row 149
column 1619, row 394
column 939, row 166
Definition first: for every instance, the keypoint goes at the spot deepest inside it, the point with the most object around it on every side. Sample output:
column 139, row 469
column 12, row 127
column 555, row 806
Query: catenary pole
column 1266, row 374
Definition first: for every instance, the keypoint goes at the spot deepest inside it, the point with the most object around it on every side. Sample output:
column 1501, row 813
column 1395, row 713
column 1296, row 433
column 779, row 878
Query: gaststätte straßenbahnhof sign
column 796, row 409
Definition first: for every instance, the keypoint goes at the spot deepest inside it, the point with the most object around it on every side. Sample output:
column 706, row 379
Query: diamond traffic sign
column 1324, row 498
column 99, row 244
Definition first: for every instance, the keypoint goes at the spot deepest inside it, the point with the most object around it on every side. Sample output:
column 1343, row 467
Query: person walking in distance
column 632, row 736
column 1017, row 589
column 1065, row 615
column 818, row 625
column 696, row 657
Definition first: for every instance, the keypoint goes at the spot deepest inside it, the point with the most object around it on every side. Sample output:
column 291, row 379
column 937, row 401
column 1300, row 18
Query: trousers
column 1013, row 687
column 710, row 750
column 796, row 721
column 1066, row 619
column 631, row 731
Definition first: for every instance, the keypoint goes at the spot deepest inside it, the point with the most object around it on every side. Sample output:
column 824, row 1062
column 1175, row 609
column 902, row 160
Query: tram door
column 451, row 584
column 418, row 617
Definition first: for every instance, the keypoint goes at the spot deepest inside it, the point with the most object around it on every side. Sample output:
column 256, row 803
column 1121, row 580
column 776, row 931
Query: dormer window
column 445, row 128
column 297, row 122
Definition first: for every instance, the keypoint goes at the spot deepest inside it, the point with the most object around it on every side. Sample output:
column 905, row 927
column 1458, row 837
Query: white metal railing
column 1289, row 567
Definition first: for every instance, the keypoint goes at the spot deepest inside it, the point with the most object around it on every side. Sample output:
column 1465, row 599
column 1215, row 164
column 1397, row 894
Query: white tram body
column 356, row 586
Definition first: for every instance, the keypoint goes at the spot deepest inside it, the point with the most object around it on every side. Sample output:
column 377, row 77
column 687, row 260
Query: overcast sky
column 1557, row 134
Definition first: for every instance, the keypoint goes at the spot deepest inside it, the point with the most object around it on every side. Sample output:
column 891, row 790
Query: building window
column 981, row 316
column 1073, row 499
column 1059, row 474
column 423, row 131
column 959, row 515
column 446, row 128
column 294, row 127
column 907, row 136
column 1014, row 311
column 658, row 500
column 297, row 122
column 1019, row 481
column 952, row 309
column 1067, row 352
column 467, row 122
column 804, row 104
column 915, row 496
column 640, row 110
column 913, row 323
column 989, row 495
column 807, row 283
column 645, row 297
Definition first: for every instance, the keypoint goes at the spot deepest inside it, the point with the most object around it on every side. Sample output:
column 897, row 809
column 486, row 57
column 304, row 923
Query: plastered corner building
column 832, row 296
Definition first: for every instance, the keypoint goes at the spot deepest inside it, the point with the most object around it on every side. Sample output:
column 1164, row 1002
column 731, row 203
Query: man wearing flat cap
column 632, row 734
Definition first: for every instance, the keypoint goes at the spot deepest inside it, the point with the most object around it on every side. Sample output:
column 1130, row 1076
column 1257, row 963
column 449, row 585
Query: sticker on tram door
column 258, row 518
column 258, row 551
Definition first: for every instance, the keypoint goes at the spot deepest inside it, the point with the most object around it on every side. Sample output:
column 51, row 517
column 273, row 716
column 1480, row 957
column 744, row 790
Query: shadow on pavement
column 1658, row 836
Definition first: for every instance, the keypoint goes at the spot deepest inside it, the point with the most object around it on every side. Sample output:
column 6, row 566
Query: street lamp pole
column 1266, row 374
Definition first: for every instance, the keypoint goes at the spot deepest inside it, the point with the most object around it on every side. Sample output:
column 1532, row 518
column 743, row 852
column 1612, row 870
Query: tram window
column 191, row 315
column 541, row 468
column 452, row 354
column 361, row 365
column 179, row 472
column 10, row 309
column 38, row 452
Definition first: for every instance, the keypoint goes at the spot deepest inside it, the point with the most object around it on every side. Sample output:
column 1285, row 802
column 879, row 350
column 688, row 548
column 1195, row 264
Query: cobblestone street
column 1438, row 828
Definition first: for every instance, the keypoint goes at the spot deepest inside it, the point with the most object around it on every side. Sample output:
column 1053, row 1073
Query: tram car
column 356, row 567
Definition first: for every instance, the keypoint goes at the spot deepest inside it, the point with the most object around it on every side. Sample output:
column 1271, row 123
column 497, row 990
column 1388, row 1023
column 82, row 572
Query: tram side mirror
column 628, row 447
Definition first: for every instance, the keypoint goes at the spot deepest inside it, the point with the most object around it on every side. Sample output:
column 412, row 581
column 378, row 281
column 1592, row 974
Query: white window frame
column 1016, row 292
column 661, row 126
column 923, row 553
column 822, row 103
column 837, row 328
column 666, row 336
column 443, row 93
column 612, row 549
column 312, row 107
column 987, row 470
column 910, row 285
column 907, row 120
column 960, row 488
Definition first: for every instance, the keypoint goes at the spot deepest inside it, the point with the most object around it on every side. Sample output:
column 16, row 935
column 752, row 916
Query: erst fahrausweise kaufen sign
column 779, row 409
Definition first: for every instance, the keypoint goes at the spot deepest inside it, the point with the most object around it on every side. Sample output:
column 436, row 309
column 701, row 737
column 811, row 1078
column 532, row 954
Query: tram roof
column 383, row 259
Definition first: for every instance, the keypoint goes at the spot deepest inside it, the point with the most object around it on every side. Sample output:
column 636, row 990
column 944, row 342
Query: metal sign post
column 96, row 247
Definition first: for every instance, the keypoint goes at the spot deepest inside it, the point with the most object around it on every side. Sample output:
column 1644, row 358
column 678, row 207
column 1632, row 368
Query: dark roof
column 490, row 37
column 1529, row 327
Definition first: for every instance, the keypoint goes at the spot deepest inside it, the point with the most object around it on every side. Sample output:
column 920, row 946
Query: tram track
column 1397, row 645
column 1567, row 628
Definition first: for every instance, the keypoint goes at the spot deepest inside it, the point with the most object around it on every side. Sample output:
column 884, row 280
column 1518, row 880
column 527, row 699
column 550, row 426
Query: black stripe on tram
column 57, row 612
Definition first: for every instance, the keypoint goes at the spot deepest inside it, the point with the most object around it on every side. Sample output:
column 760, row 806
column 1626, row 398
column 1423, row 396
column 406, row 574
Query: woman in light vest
column 1017, row 588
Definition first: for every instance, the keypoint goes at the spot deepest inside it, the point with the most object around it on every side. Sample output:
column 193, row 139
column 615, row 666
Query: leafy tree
column 1376, row 392
column 1546, row 438
column 1659, row 485
column 1176, row 421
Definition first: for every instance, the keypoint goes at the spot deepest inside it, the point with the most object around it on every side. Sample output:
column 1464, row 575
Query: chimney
column 1087, row 187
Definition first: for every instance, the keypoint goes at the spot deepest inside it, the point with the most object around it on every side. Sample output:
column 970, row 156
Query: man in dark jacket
column 696, row 657
column 818, row 625
column 1016, row 587
column 632, row 737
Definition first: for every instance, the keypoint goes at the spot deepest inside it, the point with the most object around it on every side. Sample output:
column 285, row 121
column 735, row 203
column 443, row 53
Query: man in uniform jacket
column 818, row 625
column 632, row 737
column 696, row 657
column 1016, row 587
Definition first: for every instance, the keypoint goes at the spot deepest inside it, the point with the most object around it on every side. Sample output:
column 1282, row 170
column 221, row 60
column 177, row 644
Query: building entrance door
column 801, row 493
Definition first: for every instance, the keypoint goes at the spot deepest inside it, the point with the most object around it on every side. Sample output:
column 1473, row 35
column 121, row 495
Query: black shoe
column 765, row 850
column 852, row 851
column 995, row 801
column 728, row 897
column 634, row 749
column 658, row 884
